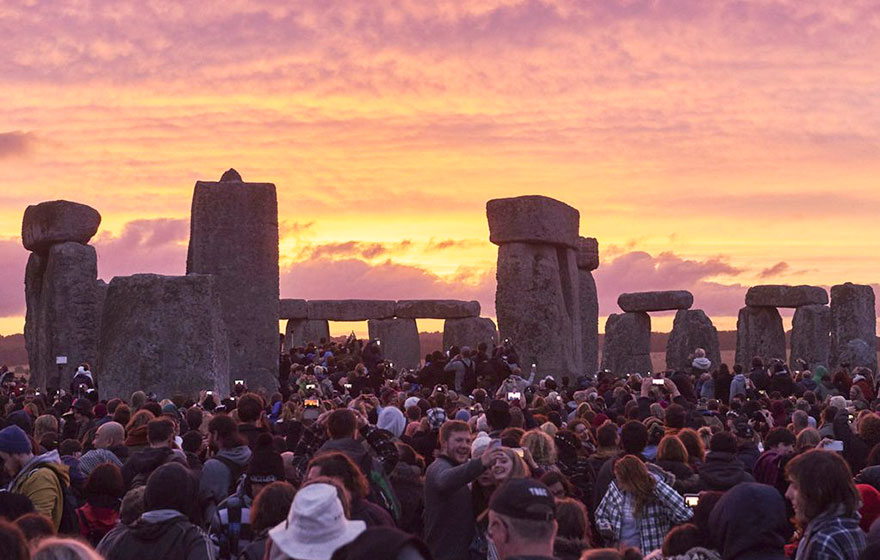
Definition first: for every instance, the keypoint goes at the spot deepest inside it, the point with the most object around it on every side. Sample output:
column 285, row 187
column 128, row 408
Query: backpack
column 381, row 491
column 93, row 534
column 235, row 472
column 69, row 503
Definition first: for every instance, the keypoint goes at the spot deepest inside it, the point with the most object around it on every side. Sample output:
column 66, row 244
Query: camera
column 513, row 395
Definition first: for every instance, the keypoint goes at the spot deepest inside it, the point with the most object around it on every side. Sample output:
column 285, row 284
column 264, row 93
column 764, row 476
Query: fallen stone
column 234, row 236
column 853, row 316
column 400, row 341
column 691, row 329
column 350, row 309
column 532, row 219
column 759, row 333
column 436, row 309
column 810, row 336
column 627, row 347
column 589, row 302
column 469, row 331
column 588, row 253
column 655, row 301
column 301, row 332
column 58, row 221
column 163, row 334
column 293, row 309
column 537, row 305
column 785, row 296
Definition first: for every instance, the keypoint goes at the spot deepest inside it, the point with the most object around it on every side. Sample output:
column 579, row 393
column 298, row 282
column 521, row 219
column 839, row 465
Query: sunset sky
column 709, row 145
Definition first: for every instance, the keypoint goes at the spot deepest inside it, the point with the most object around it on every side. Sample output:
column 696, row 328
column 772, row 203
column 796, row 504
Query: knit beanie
column 13, row 440
column 169, row 487
column 265, row 466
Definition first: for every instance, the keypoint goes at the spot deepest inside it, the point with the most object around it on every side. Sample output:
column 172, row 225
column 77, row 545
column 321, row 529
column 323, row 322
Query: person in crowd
column 342, row 470
column 574, row 534
column 221, row 473
column 750, row 521
column 35, row 527
column 160, row 436
column 103, row 492
column 250, row 408
column 12, row 542
column 64, row 549
column 722, row 470
column 522, row 520
column 109, row 447
column 672, row 456
column 136, row 431
column 269, row 508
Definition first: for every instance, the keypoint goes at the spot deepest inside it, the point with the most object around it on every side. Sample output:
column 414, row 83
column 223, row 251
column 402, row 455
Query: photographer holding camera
column 465, row 371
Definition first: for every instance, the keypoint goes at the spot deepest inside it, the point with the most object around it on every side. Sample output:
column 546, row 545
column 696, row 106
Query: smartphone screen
column 691, row 500
column 657, row 382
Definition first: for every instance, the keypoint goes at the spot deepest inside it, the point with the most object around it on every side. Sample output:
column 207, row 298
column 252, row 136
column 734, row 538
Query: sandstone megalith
column 469, row 331
column 587, row 261
column 785, row 296
column 350, row 309
column 293, row 309
column 164, row 334
column 627, row 347
column 691, row 329
column 759, row 333
column 810, row 336
column 300, row 332
column 537, row 294
column 400, row 341
column 670, row 300
column 58, row 221
column 234, row 236
column 853, row 317
column 436, row 309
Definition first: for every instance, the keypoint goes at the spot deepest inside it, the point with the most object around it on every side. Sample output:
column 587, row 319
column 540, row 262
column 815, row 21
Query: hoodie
column 140, row 465
column 737, row 385
column 746, row 532
column 39, row 479
column 162, row 533
column 216, row 477
column 722, row 471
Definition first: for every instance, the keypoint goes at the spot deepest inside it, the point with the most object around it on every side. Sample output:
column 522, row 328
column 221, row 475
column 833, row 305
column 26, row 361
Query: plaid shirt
column 832, row 536
column 665, row 510
column 381, row 442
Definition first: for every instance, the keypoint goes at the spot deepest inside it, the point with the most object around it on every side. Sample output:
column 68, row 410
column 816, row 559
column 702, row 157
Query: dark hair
column 153, row 407
column 338, row 465
column 192, row 441
column 271, row 505
column 122, row 414
column 675, row 416
column 779, row 435
column 681, row 539
column 693, row 443
column 226, row 430
column 159, row 430
column 105, row 486
column 249, row 407
column 35, row 526
column 12, row 542
column 552, row 477
column 823, row 479
column 723, row 442
column 829, row 414
column 341, row 423
column 194, row 417
column 452, row 426
column 69, row 447
column 571, row 515
column 13, row 505
column 606, row 435
column 633, row 437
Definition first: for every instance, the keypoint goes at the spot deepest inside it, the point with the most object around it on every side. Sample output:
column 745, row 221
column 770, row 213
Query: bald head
column 109, row 434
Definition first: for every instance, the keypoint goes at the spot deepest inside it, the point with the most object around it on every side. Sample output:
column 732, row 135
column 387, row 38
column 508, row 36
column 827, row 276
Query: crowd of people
column 474, row 456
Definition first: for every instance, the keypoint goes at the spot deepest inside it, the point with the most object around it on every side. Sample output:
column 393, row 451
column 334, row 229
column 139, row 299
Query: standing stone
column 300, row 332
column 163, row 334
column 67, row 321
column 627, row 347
column 400, row 341
column 853, row 316
column 470, row 331
column 589, row 302
column 234, row 236
column 759, row 332
column 58, row 221
column 810, row 336
column 691, row 329
column 33, row 286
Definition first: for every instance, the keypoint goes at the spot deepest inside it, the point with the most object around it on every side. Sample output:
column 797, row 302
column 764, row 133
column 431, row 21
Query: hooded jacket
column 143, row 463
column 38, row 479
column 722, row 471
column 745, row 532
column 162, row 533
column 216, row 477
column 737, row 386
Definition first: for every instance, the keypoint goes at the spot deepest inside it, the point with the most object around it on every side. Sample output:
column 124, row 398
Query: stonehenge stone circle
column 58, row 221
column 350, row 309
column 759, row 332
column 234, row 236
column 469, row 331
column 300, row 332
column 532, row 219
column 691, row 329
column 536, row 297
column 400, row 341
column 33, row 287
column 655, row 301
column 164, row 334
column 436, row 309
column 588, row 298
column 853, row 316
column 627, row 347
column 785, row 296
column 293, row 309
column 810, row 336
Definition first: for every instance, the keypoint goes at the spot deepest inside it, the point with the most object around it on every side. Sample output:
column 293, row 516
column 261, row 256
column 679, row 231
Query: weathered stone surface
column 234, row 236
column 58, row 221
column 785, row 296
column 589, row 302
column 350, row 309
column 759, row 333
column 537, row 305
column 627, row 347
column 852, row 317
column 858, row 353
column 655, row 301
column 811, row 336
column 230, row 176
column 436, row 309
column 67, row 320
column 400, row 341
column 532, row 219
column 164, row 334
column 300, row 332
column 469, row 331
column 691, row 329
column 33, row 286
column 588, row 253
column 101, row 288
column 293, row 309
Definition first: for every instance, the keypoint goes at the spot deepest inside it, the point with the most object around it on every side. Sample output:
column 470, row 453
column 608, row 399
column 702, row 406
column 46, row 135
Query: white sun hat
column 316, row 525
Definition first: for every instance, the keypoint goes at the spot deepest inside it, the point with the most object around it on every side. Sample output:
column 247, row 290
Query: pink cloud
column 16, row 143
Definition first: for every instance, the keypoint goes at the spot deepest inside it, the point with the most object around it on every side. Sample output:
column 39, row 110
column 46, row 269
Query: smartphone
column 658, row 382
column 312, row 403
column 513, row 395
column 209, row 393
column 691, row 500
column 519, row 451
column 347, row 385
column 239, row 381
column 834, row 445
column 310, row 386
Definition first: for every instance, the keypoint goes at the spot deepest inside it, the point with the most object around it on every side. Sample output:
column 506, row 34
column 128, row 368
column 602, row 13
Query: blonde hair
column 519, row 469
column 540, row 445
column 45, row 424
column 672, row 449
column 633, row 477
column 549, row 428
column 54, row 548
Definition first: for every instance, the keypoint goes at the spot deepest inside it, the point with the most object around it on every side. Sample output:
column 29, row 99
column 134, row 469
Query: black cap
column 524, row 498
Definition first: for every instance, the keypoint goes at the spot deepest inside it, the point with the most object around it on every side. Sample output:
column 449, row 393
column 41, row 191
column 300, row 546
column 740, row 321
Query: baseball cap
column 524, row 498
